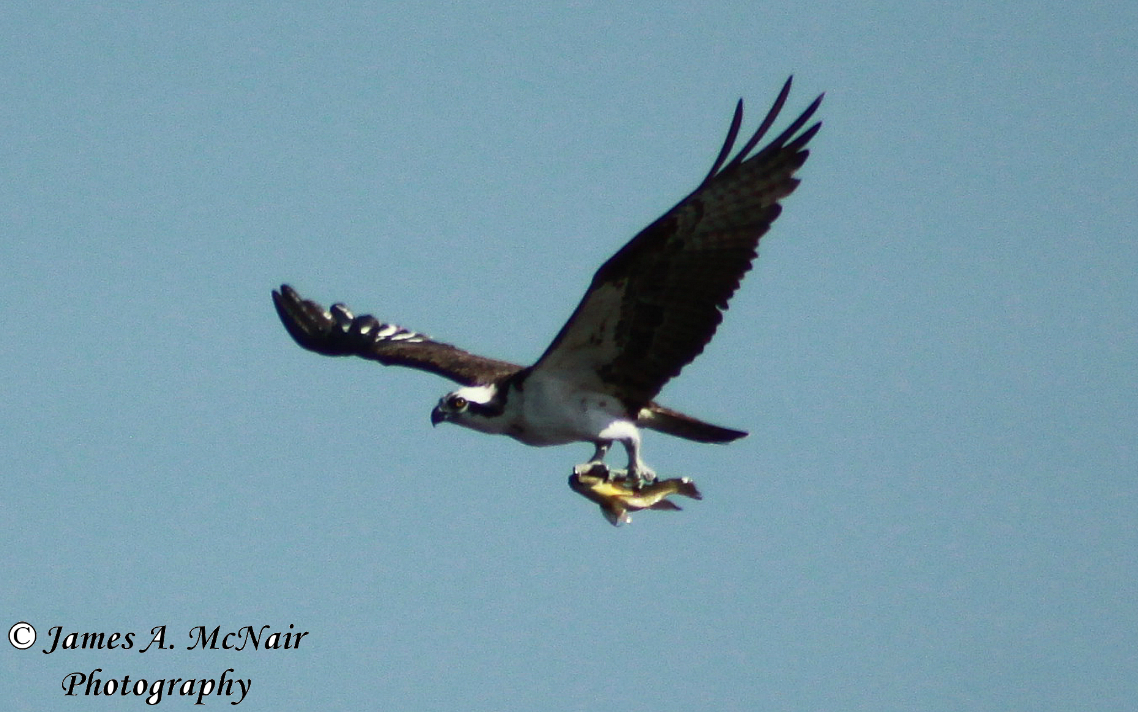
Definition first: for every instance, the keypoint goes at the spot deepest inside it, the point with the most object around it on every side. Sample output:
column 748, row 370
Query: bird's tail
column 671, row 422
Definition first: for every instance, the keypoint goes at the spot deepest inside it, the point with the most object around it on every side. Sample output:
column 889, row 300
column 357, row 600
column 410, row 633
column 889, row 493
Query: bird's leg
column 639, row 474
column 596, row 461
column 628, row 434
column 599, row 454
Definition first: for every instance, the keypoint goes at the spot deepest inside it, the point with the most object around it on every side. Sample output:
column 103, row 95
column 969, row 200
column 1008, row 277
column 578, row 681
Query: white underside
column 549, row 411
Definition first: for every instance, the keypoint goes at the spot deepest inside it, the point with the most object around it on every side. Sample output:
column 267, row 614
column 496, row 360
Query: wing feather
column 654, row 305
column 337, row 332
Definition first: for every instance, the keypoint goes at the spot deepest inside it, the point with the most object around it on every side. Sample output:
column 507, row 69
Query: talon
column 592, row 469
column 641, row 476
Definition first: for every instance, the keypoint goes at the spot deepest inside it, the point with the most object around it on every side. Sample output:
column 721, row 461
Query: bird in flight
column 649, row 311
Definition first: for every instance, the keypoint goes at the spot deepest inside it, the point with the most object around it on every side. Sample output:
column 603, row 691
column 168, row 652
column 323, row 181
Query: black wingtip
column 722, row 165
column 280, row 299
column 306, row 323
column 286, row 301
column 728, row 143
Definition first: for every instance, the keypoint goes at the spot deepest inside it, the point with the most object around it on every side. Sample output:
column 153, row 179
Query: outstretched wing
column 657, row 302
column 336, row 332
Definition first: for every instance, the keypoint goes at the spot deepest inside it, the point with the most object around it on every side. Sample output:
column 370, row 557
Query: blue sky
column 936, row 354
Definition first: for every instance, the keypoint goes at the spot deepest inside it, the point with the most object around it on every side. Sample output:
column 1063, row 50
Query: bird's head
column 469, row 406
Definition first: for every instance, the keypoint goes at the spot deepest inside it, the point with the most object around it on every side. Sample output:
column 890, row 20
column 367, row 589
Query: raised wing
column 336, row 332
column 654, row 305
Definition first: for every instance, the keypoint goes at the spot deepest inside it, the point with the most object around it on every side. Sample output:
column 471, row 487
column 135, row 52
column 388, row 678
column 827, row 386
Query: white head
column 469, row 406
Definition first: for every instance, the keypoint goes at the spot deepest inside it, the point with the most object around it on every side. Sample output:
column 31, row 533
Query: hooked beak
column 437, row 416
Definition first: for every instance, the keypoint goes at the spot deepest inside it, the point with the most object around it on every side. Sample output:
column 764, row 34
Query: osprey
column 649, row 311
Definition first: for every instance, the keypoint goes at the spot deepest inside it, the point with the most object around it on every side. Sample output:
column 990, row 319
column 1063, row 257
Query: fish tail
column 688, row 489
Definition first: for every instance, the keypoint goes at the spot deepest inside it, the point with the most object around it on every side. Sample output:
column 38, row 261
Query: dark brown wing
column 656, row 303
column 336, row 332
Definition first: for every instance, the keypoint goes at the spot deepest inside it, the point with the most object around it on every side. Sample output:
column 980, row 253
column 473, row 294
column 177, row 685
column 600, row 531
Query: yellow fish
column 617, row 496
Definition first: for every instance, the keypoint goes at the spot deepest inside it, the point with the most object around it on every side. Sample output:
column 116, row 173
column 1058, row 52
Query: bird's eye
column 457, row 402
